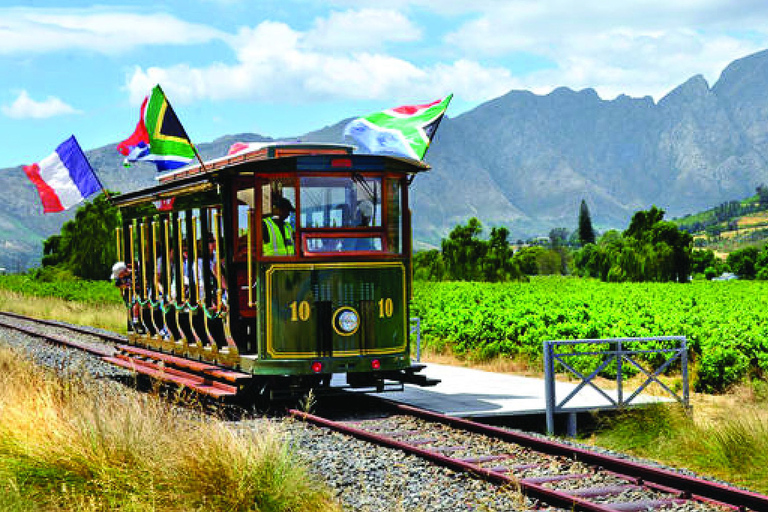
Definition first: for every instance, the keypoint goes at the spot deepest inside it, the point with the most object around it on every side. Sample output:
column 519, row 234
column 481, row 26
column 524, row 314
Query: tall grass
column 106, row 315
column 80, row 445
column 733, row 446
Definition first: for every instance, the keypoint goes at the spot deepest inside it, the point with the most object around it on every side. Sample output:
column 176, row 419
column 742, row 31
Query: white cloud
column 360, row 30
column 96, row 30
column 25, row 107
column 278, row 63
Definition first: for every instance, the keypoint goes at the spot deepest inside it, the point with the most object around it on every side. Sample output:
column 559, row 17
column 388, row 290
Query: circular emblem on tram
column 346, row 321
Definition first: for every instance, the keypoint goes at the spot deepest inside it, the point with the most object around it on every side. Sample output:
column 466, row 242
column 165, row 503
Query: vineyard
column 726, row 323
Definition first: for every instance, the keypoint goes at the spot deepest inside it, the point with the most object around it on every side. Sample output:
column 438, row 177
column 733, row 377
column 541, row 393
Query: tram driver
column 276, row 232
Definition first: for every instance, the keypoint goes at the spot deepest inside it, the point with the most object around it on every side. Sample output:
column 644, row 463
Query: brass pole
column 219, row 290
column 194, row 260
column 155, row 273
column 167, row 227
column 133, row 263
column 180, row 279
column 119, row 249
column 143, row 249
column 250, row 257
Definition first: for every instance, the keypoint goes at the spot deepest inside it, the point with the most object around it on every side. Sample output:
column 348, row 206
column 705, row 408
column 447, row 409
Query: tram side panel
column 348, row 317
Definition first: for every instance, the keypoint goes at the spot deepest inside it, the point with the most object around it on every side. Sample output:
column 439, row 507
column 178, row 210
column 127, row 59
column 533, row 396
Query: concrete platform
column 465, row 392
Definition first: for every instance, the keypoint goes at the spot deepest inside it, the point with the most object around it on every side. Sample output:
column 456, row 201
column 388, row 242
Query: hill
column 731, row 225
column 526, row 161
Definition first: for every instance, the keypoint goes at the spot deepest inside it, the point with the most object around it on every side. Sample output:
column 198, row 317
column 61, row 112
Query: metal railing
column 415, row 328
column 619, row 354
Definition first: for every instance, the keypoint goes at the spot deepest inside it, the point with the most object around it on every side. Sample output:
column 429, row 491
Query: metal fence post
column 549, row 386
column 418, row 339
column 684, row 367
column 418, row 335
column 619, row 373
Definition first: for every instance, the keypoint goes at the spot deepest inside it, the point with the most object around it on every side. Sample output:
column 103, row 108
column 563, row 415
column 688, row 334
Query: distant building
column 726, row 276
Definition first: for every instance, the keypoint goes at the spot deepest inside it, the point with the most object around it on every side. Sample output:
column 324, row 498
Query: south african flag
column 159, row 136
column 402, row 131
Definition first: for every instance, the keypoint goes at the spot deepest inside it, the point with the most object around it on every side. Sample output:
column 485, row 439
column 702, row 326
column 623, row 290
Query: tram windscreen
column 340, row 202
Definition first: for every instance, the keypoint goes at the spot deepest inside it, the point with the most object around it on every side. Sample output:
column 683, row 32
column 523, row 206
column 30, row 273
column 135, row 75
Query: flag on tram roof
column 64, row 178
column 159, row 136
column 401, row 131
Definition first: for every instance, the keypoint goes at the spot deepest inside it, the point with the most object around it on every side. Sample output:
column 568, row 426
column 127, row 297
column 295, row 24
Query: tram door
column 245, row 291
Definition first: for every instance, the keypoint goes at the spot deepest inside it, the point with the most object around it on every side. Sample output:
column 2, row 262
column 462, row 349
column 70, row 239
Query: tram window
column 275, row 192
column 338, row 202
column 322, row 244
column 394, row 216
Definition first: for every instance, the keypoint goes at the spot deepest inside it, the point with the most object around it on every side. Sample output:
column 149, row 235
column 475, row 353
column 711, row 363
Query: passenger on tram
column 160, row 274
column 277, row 234
column 213, row 266
column 123, row 276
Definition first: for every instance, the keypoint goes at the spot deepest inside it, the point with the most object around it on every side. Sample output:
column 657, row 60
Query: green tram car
column 211, row 306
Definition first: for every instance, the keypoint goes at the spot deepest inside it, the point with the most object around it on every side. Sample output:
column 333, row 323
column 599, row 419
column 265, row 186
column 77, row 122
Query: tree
column 428, row 265
column 743, row 262
column 586, row 233
column 642, row 222
column 86, row 244
column 498, row 264
column 463, row 251
column 762, row 194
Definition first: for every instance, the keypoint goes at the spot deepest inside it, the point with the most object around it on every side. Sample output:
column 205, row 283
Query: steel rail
column 93, row 348
column 689, row 486
column 116, row 338
column 535, row 490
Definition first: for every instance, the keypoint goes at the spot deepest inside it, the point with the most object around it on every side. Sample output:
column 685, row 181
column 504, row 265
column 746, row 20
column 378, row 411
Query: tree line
column 650, row 249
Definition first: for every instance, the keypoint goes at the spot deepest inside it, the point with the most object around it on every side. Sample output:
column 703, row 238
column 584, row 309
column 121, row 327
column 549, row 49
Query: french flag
column 64, row 178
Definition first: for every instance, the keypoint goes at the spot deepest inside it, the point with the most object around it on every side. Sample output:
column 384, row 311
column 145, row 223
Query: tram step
column 189, row 364
column 173, row 375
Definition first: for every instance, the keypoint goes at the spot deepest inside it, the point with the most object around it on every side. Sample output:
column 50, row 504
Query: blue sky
column 285, row 67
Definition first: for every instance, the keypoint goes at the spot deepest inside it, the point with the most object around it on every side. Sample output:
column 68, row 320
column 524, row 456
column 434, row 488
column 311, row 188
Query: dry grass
column 105, row 316
column 752, row 219
column 497, row 365
column 69, row 445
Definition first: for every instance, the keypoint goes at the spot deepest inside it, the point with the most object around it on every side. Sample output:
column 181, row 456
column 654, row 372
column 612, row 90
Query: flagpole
column 194, row 149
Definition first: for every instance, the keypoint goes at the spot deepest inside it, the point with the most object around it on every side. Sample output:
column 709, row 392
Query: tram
column 213, row 296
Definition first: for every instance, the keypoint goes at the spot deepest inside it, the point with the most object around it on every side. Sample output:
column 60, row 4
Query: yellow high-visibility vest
column 277, row 245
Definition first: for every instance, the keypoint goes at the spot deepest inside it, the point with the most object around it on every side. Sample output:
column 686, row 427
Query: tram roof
column 270, row 157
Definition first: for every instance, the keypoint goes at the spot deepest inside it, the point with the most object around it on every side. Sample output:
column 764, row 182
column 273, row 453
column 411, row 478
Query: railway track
column 207, row 379
column 553, row 473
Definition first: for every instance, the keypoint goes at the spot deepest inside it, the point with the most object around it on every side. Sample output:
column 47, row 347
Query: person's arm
column 264, row 233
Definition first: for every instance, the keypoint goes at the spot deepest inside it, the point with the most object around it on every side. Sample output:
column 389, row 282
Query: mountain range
column 524, row 161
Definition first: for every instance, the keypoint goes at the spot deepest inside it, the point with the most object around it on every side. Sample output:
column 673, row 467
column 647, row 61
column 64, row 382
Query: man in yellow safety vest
column 277, row 234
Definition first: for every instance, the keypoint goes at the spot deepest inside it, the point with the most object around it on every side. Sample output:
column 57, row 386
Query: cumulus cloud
column 97, row 30
column 25, row 107
column 278, row 63
column 363, row 29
